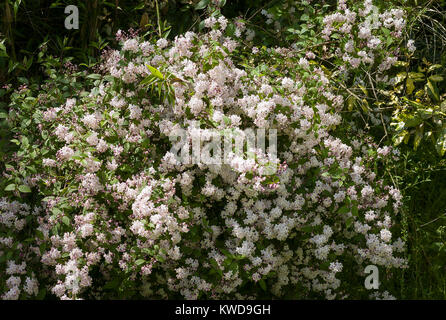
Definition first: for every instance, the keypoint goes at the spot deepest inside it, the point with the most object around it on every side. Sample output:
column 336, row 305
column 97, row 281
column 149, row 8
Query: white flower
column 287, row 83
column 92, row 139
column 162, row 43
column 131, row 45
column 386, row 235
column 349, row 46
column 65, row 153
column 336, row 267
column 196, row 105
column 91, row 121
column 364, row 32
column 304, row 63
column 410, row 45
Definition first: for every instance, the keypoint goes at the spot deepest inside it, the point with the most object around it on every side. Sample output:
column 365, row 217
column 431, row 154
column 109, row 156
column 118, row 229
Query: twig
column 444, row 214
column 158, row 18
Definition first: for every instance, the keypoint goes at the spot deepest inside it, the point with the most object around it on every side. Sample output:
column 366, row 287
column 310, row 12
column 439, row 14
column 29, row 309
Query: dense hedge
column 95, row 206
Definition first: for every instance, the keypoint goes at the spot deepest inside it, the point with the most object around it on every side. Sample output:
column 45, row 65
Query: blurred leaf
column 409, row 86
column 24, row 189
column 144, row 20
column 436, row 78
column 66, row 220
column 418, row 136
column 434, row 67
column 351, row 103
column 140, row 262
column 343, row 209
column 10, row 187
column 202, row 4
column 399, row 137
column 433, row 91
column 262, row 284
column 155, row 72
column 440, row 144
column 416, row 76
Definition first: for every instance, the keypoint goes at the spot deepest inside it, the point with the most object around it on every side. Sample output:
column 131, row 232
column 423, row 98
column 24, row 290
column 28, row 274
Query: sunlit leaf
column 399, row 137
column 155, row 72
column 24, row 189
column 409, row 86
column 418, row 136
column 351, row 103
column 10, row 187
column 433, row 91
column 416, row 76
column 440, row 144
column 202, row 4
column 436, row 78
column 434, row 67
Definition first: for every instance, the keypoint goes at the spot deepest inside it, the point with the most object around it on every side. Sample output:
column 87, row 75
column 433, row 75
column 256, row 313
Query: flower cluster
column 120, row 218
column 368, row 37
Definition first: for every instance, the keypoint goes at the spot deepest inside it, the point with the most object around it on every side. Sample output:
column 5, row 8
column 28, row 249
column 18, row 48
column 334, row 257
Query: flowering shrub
column 368, row 36
column 114, row 213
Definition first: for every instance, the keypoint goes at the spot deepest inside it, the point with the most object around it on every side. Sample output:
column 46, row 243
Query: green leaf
column 418, row 136
column 66, row 220
column 364, row 90
column 343, row 209
column 10, row 187
column 443, row 106
column 433, row 91
column 416, row 76
column 56, row 211
column 436, row 78
column 385, row 31
column 140, row 6
column 155, row 72
column 325, row 265
column 24, row 189
column 160, row 258
column 140, row 262
column 355, row 210
column 413, row 103
column 349, row 222
column 409, row 86
column 202, row 4
column 41, row 295
column 3, row 51
column 440, row 144
column 434, row 67
column 113, row 284
column 227, row 120
column 94, row 76
column 304, row 17
column 412, row 121
column 40, row 234
column 148, row 80
column 402, row 64
column 351, row 103
column 399, row 137
column 262, row 284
